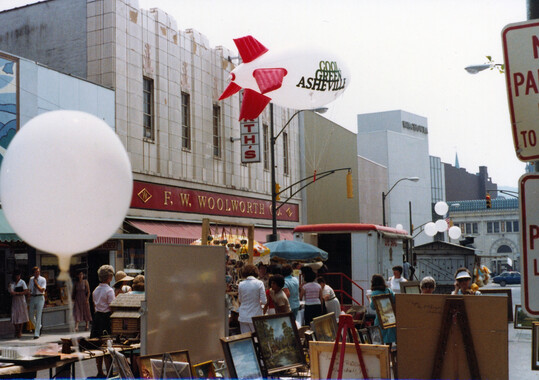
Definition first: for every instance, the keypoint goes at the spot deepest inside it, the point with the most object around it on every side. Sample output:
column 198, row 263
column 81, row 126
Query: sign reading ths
column 250, row 141
column 529, row 222
column 521, row 55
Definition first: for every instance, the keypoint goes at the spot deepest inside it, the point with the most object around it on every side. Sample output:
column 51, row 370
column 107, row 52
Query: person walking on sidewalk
column 81, row 301
column 37, row 286
column 19, row 310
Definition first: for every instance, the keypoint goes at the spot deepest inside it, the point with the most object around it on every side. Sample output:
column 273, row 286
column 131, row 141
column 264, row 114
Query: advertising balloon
column 301, row 78
column 430, row 229
column 65, row 183
column 441, row 208
column 455, row 232
column 399, row 227
column 441, row 225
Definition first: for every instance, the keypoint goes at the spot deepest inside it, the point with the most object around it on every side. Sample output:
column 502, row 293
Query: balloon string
column 71, row 323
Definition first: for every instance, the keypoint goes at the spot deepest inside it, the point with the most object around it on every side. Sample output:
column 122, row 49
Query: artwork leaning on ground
column 279, row 342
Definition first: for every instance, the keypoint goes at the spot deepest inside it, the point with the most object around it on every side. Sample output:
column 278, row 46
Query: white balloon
column 441, row 225
column 399, row 226
column 65, row 183
column 455, row 232
column 441, row 208
column 430, row 229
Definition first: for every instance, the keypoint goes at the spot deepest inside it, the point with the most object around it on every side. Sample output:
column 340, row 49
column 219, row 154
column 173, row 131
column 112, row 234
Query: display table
column 65, row 360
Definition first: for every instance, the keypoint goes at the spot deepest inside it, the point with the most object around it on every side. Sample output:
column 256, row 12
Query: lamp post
column 273, row 236
column 384, row 195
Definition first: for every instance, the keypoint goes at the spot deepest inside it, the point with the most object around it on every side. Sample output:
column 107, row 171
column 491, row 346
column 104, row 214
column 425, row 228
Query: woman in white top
column 251, row 296
column 396, row 279
column 330, row 300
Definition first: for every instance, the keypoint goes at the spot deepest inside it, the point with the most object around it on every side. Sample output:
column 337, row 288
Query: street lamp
column 384, row 195
column 273, row 236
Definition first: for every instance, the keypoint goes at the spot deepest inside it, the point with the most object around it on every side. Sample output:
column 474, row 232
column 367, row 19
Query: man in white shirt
column 37, row 286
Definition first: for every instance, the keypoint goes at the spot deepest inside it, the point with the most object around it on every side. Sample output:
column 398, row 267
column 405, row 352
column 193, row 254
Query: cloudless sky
column 402, row 54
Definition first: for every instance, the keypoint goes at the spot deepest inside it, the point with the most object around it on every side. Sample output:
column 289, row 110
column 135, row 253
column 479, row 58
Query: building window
column 475, row 228
column 496, row 227
column 216, row 131
column 265, row 131
column 515, row 226
column 509, row 226
column 186, row 121
column 286, row 167
column 147, row 107
column 493, row 227
column 489, row 227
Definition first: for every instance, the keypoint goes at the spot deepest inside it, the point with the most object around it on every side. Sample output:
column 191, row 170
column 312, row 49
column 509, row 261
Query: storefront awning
column 186, row 233
column 6, row 232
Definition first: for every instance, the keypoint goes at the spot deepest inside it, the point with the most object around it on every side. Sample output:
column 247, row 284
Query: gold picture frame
column 410, row 287
column 325, row 327
column 204, row 370
column 150, row 365
column 522, row 319
column 385, row 310
column 502, row 292
column 376, row 358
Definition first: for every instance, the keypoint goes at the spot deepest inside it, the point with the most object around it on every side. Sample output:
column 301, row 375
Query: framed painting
column 175, row 364
column 241, row 357
column 364, row 336
column 502, row 292
column 383, row 304
column 204, row 370
column 522, row 319
column 535, row 349
column 376, row 360
column 278, row 339
column 325, row 327
column 410, row 287
column 376, row 335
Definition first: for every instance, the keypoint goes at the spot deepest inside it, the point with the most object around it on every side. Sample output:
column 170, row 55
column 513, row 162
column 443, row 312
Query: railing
column 341, row 290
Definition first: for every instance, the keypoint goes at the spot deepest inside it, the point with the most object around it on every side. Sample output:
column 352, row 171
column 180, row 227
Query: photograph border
column 410, row 284
column 365, row 333
column 228, row 355
column 376, row 300
column 180, row 356
column 509, row 299
column 299, row 348
column 535, row 349
column 317, row 323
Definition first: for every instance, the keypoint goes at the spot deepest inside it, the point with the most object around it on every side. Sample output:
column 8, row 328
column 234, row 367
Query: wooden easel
column 346, row 323
column 455, row 313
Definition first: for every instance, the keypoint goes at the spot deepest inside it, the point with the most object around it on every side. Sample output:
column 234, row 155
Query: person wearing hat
column 138, row 285
column 463, row 282
column 121, row 284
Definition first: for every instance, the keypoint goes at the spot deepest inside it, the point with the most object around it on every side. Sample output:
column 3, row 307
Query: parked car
column 505, row 278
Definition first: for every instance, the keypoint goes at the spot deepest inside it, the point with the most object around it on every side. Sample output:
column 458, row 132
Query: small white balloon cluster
column 432, row 228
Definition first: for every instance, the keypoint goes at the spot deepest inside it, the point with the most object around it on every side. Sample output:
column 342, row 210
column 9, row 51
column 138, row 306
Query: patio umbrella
column 292, row 250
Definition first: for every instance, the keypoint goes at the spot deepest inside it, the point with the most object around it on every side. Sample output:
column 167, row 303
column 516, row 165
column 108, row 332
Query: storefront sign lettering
column 169, row 198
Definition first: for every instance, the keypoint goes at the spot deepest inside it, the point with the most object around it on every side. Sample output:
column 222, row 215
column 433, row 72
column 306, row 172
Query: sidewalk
column 520, row 344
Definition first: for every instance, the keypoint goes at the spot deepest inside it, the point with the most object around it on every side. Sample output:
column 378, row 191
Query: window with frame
column 265, row 132
column 186, row 121
column 286, row 168
column 493, row 227
column 216, row 131
column 147, row 108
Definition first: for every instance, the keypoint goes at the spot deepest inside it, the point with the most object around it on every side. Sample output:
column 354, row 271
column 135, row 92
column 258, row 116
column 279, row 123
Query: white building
column 398, row 141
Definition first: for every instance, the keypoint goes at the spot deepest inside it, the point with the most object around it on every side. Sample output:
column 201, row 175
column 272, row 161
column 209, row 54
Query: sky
column 402, row 54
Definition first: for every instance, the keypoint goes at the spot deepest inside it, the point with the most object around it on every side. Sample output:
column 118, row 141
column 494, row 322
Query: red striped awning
column 186, row 233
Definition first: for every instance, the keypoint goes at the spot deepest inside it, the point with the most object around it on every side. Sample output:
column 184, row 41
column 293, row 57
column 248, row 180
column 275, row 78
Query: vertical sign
column 250, row 141
column 529, row 232
column 521, row 55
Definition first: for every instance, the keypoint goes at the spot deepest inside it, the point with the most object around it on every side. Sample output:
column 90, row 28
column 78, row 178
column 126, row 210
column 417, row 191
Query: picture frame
column 376, row 335
column 522, row 319
column 410, row 287
column 325, row 327
column 385, row 310
column 279, row 342
column 242, row 357
column 535, row 349
column 124, row 369
column 502, row 292
column 151, row 365
column 364, row 336
column 376, row 360
column 204, row 370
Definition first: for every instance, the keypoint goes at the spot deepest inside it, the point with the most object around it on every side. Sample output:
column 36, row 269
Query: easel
column 346, row 323
column 167, row 358
column 455, row 312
